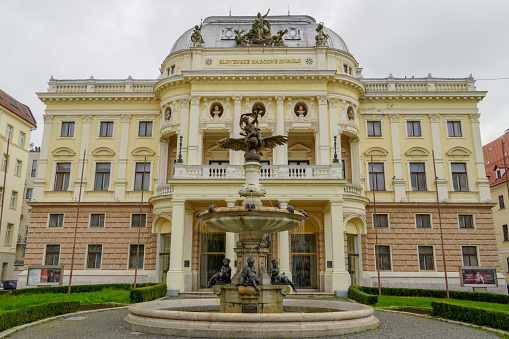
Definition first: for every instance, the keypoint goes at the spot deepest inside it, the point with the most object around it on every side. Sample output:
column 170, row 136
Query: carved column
column 355, row 160
column 163, row 161
column 40, row 181
column 439, row 162
column 283, row 247
column 184, row 127
column 85, row 139
column 323, row 122
column 280, row 152
column 121, row 182
column 194, row 117
column 175, row 275
column 398, row 181
column 237, row 157
column 483, row 184
column 340, row 278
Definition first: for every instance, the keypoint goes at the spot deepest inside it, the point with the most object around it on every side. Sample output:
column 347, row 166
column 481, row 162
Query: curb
column 20, row 327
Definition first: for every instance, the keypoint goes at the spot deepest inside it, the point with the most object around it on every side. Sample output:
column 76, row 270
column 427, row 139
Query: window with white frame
column 466, row 220
column 426, row 260
column 142, row 176
column 67, row 129
column 469, row 254
column 454, row 129
column 374, row 128
column 106, row 129
column 380, row 220
column 21, row 140
column 376, row 176
column 132, row 255
column 501, row 203
column 97, row 219
column 145, row 129
column 4, row 162
column 52, row 254
column 8, row 132
column 8, row 234
column 94, row 256
column 29, row 193
column 14, row 199
column 459, row 177
column 17, row 169
column 423, row 220
column 384, row 257
column 418, row 176
column 34, row 168
column 56, row 220
column 102, row 176
column 62, row 176
column 135, row 220
column 505, row 232
column 413, row 128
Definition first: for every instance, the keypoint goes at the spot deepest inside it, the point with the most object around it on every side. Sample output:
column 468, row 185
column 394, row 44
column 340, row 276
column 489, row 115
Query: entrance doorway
column 303, row 255
column 213, row 250
column 353, row 258
column 164, row 256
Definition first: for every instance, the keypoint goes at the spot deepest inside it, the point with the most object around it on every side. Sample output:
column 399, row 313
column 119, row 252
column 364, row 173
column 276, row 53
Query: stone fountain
column 250, row 290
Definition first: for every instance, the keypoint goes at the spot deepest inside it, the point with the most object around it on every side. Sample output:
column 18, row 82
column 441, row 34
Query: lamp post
column 179, row 160
column 335, row 160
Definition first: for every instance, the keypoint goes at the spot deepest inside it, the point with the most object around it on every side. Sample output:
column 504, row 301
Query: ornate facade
column 336, row 121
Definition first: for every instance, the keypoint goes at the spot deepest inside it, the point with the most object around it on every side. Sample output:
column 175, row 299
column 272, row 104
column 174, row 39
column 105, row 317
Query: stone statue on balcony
column 252, row 141
column 222, row 277
column 278, row 278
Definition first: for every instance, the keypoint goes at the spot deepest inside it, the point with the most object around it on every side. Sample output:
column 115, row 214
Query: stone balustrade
column 353, row 189
column 164, row 189
column 101, row 86
column 418, row 85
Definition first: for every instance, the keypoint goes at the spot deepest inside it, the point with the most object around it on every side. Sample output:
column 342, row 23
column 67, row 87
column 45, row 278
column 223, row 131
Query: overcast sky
column 117, row 38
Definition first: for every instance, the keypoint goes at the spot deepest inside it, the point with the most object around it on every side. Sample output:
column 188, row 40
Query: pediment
column 143, row 151
column 376, row 151
column 299, row 148
column 103, row 151
column 63, row 151
column 417, row 151
column 459, row 151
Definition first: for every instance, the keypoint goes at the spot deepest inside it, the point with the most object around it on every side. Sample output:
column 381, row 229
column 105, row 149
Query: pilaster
column 280, row 152
column 340, row 278
column 323, row 121
column 441, row 183
column 163, row 162
column 236, row 156
column 483, row 184
column 355, row 150
column 398, row 181
column 175, row 275
column 85, row 139
column 40, row 181
column 194, row 117
column 121, row 182
column 184, row 126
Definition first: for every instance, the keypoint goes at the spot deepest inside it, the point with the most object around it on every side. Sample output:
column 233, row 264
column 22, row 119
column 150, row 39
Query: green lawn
column 118, row 296
column 419, row 302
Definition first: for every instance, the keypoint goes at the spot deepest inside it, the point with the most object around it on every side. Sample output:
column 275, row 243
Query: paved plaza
column 108, row 324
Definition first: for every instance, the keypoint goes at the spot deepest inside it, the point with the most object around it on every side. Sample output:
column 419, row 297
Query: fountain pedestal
column 245, row 299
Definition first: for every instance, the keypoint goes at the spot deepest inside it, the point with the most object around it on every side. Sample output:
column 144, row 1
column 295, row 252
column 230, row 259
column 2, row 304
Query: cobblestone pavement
column 108, row 325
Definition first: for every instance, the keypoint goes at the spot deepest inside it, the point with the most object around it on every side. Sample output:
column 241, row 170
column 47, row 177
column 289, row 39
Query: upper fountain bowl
column 260, row 220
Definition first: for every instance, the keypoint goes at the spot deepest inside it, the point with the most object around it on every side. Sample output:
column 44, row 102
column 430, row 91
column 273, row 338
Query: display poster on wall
column 45, row 275
column 478, row 276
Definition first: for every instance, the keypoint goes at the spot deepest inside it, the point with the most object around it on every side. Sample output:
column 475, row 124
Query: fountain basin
column 261, row 220
column 198, row 318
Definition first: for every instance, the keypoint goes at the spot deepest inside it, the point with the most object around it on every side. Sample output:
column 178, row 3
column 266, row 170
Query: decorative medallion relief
column 301, row 110
column 216, row 110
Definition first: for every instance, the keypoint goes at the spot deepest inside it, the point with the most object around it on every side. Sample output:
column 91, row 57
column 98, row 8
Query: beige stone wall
column 403, row 236
column 115, row 237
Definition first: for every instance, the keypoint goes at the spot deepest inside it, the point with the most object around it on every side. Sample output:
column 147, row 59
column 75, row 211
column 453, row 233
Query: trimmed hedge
column 4, row 292
column 460, row 295
column 77, row 288
column 148, row 293
column 356, row 293
column 473, row 315
column 28, row 314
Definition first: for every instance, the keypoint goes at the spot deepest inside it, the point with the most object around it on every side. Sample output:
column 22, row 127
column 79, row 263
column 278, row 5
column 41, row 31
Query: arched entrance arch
column 162, row 225
column 355, row 225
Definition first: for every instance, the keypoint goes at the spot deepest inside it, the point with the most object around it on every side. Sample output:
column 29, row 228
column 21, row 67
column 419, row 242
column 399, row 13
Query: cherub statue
column 248, row 276
column 196, row 37
column 321, row 37
column 277, row 278
column 222, row 277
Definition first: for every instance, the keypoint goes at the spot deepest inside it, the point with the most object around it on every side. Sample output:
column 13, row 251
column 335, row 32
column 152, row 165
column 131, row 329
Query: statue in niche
column 277, row 40
column 196, row 37
column 349, row 113
column 248, row 276
column 278, row 278
column 301, row 111
column 252, row 141
column 168, row 114
column 321, row 38
column 222, row 277
column 217, row 111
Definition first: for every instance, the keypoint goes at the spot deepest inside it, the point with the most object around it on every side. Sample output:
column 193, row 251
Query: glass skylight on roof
column 13, row 103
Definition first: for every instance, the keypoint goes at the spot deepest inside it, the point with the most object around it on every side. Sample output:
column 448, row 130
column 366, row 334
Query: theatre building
column 311, row 89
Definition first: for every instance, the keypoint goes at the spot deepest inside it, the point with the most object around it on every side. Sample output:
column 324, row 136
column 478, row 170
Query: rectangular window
column 423, row 220
column 459, row 177
column 132, row 256
column 376, row 177
column 94, row 256
column 426, row 261
column 141, row 180
column 454, row 128
column 384, row 257
column 466, row 220
column 507, row 259
column 413, row 128
column 1, row 192
column 67, row 129
column 4, row 162
column 135, row 220
column 418, row 176
column 8, row 133
column 17, row 169
column 29, row 193
column 97, row 220
column 56, row 220
column 52, row 254
column 34, row 168
column 106, row 129
column 8, row 234
column 102, row 176
column 501, row 203
column 145, row 129
column 21, row 140
column 374, row 128
column 14, row 199
column 380, row 220
column 469, row 255
column 62, row 176
column 505, row 232
column 3, row 273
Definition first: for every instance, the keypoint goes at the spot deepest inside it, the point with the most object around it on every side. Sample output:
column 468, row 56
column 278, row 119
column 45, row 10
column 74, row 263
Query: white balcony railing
column 164, row 189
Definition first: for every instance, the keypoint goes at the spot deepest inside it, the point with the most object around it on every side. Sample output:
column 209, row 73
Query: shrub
column 28, row 314
column 460, row 295
column 469, row 314
column 148, row 293
column 4, row 292
column 74, row 289
column 356, row 293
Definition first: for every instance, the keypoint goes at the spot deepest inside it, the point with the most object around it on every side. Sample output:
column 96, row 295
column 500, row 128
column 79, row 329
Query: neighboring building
column 16, row 123
column 26, row 210
column 496, row 173
column 314, row 95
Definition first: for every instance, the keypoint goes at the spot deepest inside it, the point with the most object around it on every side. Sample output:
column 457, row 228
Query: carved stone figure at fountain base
column 245, row 299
